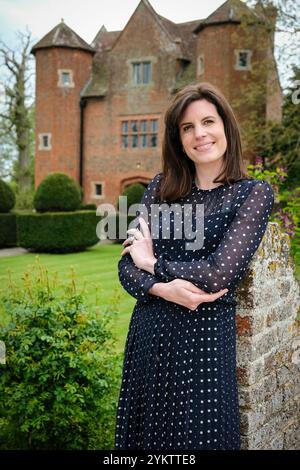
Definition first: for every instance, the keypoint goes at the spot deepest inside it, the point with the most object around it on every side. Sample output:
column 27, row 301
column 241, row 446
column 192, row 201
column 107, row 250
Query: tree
column 17, row 110
column 282, row 140
column 286, row 31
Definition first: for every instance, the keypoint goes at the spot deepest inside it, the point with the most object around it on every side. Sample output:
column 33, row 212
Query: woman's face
column 202, row 133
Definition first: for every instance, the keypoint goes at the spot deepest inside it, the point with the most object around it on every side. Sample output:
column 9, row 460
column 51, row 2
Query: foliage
column 134, row 194
column 57, row 232
column 7, row 197
column 8, row 235
column 287, row 202
column 59, row 386
column 87, row 207
column 57, row 192
column 17, row 112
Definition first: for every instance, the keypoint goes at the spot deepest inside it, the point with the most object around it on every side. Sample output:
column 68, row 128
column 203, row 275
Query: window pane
column 154, row 125
column 134, row 140
column 125, row 141
column 146, row 72
column 136, row 73
column 98, row 189
column 45, row 140
column 143, row 126
column 66, row 78
column 134, row 126
column 153, row 140
column 243, row 56
column 144, row 140
column 124, row 127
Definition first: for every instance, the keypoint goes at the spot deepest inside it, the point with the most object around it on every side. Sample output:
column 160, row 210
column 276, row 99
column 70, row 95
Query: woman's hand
column 184, row 293
column 141, row 249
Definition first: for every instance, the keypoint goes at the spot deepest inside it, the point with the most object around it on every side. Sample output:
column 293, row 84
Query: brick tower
column 63, row 66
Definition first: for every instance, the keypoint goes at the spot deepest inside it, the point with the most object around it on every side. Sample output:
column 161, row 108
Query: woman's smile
column 202, row 134
column 204, row 147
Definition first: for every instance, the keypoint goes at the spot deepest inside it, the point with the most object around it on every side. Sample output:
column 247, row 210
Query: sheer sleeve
column 225, row 267
column 135, row 281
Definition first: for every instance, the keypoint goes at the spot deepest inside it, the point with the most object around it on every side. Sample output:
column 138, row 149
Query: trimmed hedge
column 57, row 232
column 8, row 231
column 7, row 197
column 129, row 219
column 87, row 207
column 57, row 192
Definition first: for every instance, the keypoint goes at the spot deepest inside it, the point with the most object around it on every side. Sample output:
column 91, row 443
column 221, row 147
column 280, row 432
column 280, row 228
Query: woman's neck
column 204, row 177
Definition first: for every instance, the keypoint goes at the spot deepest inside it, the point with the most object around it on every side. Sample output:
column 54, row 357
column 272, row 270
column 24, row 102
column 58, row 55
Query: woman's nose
column 200, row 131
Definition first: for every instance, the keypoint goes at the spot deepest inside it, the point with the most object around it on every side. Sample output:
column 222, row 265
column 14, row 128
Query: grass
column 96, row 272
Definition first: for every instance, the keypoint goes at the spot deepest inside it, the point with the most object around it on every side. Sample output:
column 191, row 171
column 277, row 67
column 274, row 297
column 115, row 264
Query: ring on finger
column 130, row 239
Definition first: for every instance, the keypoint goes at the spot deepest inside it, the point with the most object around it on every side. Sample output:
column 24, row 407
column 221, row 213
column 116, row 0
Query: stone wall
column 268, row 347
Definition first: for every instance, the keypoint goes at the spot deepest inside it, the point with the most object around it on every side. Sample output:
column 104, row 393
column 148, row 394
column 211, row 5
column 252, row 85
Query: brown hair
column 178, row 169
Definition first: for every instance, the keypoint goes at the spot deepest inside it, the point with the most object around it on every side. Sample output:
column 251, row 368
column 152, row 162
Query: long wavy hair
column 178, row 169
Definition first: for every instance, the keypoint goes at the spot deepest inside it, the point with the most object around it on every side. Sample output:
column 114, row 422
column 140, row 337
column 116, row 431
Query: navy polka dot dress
column 179, row 385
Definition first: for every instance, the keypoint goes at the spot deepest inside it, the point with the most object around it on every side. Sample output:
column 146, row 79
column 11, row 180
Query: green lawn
column 96, row 270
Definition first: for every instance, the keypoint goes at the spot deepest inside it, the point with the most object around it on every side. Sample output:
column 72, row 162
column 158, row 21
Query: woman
column 179, row 386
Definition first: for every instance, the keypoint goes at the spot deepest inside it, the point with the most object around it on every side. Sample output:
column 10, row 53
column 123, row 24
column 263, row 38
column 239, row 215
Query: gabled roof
column 232, row 11
column 182, row 34
column 62, row 36
column 104, row 40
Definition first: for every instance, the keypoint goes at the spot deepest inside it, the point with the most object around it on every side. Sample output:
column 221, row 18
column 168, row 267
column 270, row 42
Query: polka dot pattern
column 179, row 386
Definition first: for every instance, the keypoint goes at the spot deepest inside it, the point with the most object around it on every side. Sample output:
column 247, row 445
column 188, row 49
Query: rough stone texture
column 268, row 347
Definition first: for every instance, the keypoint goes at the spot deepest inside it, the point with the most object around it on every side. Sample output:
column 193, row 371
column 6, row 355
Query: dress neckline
column 207, row 190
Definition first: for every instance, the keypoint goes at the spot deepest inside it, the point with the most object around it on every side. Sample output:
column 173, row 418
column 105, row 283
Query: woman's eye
column 186, row 128
column 208, row 121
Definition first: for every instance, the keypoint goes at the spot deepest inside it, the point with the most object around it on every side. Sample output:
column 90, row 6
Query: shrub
column 57, row 232
column 59, row 385
column 7, row 197
column 8, row 235
column 87, row 207
column 134, row 194
column 57, row 192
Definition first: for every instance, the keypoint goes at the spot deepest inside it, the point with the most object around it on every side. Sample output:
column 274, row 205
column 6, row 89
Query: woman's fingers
column 144, row 228
column 137, row 234
column 211, row 297
column 126, row 250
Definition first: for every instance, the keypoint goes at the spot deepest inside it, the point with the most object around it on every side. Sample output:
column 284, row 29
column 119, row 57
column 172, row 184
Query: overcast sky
column 86, row 17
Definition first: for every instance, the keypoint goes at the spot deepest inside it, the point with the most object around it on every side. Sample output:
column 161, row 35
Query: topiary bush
column 59, row 385
column 57, row 192
column 134, row 194
column 7, row 197
column 57, row 232
column 8, row 232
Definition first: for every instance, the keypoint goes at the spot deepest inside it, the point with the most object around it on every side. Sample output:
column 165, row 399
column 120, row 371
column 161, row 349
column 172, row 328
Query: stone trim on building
column 61, row 82
column 42, row 145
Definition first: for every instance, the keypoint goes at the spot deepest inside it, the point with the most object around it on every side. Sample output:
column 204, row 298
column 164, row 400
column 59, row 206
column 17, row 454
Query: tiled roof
column 232, row 11
column 62, row 36
column 104, row 39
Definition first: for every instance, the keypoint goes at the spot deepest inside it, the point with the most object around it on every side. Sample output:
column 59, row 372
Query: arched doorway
column 132, row 180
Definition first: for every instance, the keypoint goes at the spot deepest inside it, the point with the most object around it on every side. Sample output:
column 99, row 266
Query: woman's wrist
column 149, row 265
column 157, row 289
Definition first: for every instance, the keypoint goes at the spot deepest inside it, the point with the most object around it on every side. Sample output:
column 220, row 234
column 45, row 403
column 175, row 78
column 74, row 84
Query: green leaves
column 60, row 384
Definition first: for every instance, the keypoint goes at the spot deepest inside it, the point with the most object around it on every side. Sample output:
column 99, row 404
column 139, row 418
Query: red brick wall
column 58, row 111
column 105, row 160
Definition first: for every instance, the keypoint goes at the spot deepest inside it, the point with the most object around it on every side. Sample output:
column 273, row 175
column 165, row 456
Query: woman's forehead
column 200, row 109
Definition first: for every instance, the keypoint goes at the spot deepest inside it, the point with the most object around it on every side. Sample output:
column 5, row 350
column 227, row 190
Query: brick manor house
column 100, row 107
